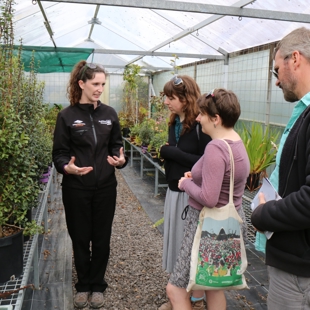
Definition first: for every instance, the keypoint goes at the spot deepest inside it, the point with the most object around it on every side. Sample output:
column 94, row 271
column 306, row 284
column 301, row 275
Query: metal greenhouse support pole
column 269, row 86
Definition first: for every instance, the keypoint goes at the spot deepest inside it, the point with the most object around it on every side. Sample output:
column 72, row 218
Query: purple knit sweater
column 209, row 185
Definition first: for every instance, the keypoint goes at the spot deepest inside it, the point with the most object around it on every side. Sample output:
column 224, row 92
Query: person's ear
column 296, row 57
column 217, row 120
column 81, row 84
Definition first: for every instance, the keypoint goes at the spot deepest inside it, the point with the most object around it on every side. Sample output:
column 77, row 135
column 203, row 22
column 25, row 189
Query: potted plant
column 261, row 147
column 159, row 139
column 134, row 132
column 125, row 121
column 146, row 131
column 21, row 128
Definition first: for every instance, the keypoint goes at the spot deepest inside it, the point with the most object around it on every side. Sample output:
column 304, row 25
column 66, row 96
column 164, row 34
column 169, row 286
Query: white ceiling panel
column 152, row 29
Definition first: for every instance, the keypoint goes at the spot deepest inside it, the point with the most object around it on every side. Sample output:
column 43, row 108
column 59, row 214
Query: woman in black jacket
column 186, row 144
column 87, row 148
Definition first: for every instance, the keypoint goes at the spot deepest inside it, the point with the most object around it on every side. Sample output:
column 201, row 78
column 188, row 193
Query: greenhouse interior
column 141, row 44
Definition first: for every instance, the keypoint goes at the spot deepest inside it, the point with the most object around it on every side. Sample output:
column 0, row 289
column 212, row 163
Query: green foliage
column 173, row 63
column 146, row 131
column 157, row 105
column 159, row 222
column 159, row 139
column 25, row 140
column 51, row 116
column 160, row 136
column 125, row 120
column 134, row 130
column 135, row 94
column 31, row 228
column 260, row 145
column 130, row 76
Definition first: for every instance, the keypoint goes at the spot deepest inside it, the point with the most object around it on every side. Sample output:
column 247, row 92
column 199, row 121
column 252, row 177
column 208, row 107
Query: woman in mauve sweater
column 185, row 145
column 207, row 184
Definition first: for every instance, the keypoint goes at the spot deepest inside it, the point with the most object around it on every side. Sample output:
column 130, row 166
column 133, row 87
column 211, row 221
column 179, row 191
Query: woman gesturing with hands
column 87, row 149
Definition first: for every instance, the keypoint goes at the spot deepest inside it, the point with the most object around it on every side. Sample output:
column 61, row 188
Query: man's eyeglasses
column 90, row 66
column 176, row 80
column 274, row 72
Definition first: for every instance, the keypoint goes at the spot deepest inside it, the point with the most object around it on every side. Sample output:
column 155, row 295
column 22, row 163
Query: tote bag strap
column 232, row 173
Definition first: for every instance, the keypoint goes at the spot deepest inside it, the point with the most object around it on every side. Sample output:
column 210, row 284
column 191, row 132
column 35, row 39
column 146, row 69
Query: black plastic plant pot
column 11, row 256
column 126, row 132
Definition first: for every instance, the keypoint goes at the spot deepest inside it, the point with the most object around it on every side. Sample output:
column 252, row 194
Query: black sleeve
column 287, row 214
column 183, row 158
column 116, row 141
column 61, row 145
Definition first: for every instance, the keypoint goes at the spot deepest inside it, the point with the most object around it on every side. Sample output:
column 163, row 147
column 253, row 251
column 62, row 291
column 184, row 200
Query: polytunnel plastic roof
column 150, row 33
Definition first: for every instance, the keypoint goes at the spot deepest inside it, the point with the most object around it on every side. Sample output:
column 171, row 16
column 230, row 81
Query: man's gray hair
column 298, row 39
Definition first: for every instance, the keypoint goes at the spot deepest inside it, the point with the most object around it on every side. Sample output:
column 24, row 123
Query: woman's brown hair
column 188, row 92
column 81, row 71
column 223, row 103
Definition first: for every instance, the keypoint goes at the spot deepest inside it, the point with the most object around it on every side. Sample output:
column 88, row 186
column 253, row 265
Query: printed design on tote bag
column 219, row 259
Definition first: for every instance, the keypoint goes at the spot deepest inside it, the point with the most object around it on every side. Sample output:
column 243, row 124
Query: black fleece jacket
column 289, row 218
column 180, row 157
column 90, row 135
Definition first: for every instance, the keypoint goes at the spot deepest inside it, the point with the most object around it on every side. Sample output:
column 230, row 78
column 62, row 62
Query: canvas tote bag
column 218, row 258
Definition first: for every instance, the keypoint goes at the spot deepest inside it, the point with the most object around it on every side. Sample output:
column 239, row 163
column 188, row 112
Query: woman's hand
column 117, row 161
column 71, row 168
column 188, row 175
column 180, row 182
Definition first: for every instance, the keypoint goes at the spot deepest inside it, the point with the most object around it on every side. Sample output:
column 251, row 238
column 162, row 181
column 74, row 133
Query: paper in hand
column 270, row 194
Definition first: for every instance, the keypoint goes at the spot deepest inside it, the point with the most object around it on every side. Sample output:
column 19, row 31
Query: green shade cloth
column 51, row 59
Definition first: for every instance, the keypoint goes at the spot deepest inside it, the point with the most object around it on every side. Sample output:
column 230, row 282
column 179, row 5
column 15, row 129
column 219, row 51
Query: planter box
column 11, row 256
column 154, row 158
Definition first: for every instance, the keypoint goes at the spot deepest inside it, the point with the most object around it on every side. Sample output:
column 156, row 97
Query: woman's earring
column 214, row 125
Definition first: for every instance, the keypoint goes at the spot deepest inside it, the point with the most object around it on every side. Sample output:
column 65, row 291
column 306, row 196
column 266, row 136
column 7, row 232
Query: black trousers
column 89, row 217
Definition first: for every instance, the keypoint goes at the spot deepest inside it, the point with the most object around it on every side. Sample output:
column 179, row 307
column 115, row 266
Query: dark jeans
column 89, row 217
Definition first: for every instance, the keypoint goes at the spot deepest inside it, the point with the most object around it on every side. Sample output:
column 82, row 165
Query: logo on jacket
column 78, row 123
column 105, row 122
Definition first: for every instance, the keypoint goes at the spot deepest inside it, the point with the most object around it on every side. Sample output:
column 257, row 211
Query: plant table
column 156, row 167
column 30, row 251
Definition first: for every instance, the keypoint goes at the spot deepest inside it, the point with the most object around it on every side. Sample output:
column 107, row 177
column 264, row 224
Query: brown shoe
column 81, row 300
column 198, row 305
column 166, row 306
column 96, row 300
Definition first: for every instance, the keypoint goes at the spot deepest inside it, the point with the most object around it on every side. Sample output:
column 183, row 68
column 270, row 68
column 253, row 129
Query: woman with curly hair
column 87, row 149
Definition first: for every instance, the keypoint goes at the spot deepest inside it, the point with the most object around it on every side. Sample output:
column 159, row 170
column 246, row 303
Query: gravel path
column 135, row 276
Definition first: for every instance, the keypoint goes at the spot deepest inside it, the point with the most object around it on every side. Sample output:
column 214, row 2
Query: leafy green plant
column 173, row 62
column 146, row 131
column 260, row 145
column 25, row 140
column 135, row 95
column 50, row 116
column 134, row 130
column 159, row 139
column 125, row 120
